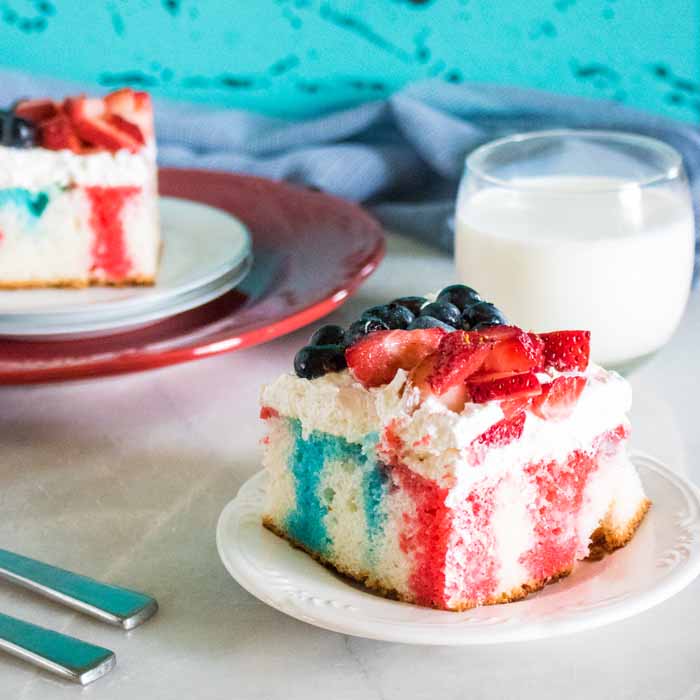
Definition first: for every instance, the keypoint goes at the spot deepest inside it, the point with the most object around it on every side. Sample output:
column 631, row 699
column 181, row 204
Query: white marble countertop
column 124, row 478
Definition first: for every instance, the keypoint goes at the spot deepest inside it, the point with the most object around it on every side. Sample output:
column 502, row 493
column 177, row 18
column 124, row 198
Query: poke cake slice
column 78, row 192
column 446, row 458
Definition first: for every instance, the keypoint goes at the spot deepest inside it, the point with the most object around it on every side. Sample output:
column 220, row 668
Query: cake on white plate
column 446, row 458
column 78, row 192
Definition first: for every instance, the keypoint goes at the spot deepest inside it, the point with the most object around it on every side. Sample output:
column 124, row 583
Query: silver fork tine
column 65, row 656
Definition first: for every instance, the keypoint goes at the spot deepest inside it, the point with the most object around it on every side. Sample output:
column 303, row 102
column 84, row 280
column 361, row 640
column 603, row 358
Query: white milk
column 581, row 252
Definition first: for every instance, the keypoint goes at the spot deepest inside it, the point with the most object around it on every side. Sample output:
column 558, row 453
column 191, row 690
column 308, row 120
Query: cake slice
column 78, row 192
column 449, row 467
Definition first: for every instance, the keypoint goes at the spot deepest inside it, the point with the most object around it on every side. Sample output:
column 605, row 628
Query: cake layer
column 355, row 506
column 74, row 236
column 78, row 191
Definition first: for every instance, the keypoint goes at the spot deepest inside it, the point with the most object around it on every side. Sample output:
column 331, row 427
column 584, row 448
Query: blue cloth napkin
column 402, row 156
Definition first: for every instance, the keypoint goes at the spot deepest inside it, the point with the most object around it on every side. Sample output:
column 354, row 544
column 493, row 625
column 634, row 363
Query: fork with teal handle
column 66, row 656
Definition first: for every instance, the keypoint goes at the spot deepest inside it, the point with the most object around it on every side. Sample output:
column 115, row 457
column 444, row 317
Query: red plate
column 311, row 252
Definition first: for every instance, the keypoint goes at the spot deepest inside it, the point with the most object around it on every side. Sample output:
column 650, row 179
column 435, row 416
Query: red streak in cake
column 109, row 253
column 560, row 487
column 426, row 531
column 606, row 444
column 423, row 442
column 473, row 560
column 392, row 444
column 428, row 534
column 267, row 412
column 425, row 535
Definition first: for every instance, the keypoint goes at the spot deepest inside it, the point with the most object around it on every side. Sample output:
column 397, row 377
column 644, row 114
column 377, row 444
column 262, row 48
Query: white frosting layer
column 334, row 403
column 439, row 441
column 38, row 168
column 602, row 406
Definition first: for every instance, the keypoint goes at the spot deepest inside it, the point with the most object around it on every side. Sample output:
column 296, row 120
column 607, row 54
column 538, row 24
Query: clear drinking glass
column 580, row 230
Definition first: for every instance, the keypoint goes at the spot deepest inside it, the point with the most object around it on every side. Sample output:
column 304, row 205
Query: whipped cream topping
column 38, row 168
column 438, row 440
column 334, row 403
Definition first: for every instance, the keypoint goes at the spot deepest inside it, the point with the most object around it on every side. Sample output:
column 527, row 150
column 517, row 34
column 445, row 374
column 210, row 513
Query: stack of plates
column 206, row 252
column 302, row 253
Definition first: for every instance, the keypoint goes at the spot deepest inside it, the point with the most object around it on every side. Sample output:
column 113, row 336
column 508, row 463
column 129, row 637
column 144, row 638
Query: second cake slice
column 78, row 192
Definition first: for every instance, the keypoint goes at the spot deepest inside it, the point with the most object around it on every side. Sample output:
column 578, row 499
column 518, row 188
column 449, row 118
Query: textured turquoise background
column 295, row 57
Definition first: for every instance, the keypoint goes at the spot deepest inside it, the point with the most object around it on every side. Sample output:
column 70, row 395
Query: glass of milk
column 580, row 230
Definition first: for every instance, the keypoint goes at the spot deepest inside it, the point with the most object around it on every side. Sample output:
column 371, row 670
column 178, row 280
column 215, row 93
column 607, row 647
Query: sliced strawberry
column 511, row 407
column 58, row 134
column 36, row 111
column 93, row 125
column 133, row 107
column 558, row 398
column 142, row 101
column 539, row 343
column 504, row 385
column 566, row 351
column 375, row 358
column 517, row 352
column 500, row 332
column 99, row 132
column 121, row 101
column 459, row 355
column 453, row 397
column 503, row 432
column 83, row 108
column 126, row 127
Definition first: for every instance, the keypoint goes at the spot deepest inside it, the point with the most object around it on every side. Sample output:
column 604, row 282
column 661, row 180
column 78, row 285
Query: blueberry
column 460, row 295
column 361, row 328
column 483, row 314
column 429, row 322
column 316, row 360
column 394, row 315
column 488, row 324
column 443, row 311
column 328, row 335
column 16, row 132
column 23, row 133
column 413, row 304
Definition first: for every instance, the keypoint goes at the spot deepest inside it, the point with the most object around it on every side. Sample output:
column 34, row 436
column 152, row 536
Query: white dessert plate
column 662, row 558
column 206, row 252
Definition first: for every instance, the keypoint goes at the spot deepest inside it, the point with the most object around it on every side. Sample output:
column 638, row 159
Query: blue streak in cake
column 374, row 486
column 306, row 523
column 34, row 203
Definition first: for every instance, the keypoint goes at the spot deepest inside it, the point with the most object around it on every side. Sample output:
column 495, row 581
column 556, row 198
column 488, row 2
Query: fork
column 66, row 656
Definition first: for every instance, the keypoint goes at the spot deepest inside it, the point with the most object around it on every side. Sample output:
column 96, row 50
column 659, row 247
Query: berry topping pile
column 449, row 312
column 120, row 120
column 457, row 349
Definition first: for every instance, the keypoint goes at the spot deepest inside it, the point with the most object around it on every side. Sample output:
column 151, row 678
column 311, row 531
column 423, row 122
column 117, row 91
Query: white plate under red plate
column 206, row 252
column 662, row 558
column 311, row 251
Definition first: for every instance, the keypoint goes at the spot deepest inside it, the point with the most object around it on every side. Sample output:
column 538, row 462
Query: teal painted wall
column 296, row 57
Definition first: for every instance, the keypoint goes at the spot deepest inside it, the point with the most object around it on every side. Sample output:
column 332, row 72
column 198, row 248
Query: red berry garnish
column 566, row 351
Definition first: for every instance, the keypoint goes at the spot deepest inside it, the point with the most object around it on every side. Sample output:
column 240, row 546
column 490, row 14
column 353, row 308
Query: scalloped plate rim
column 345, row 616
